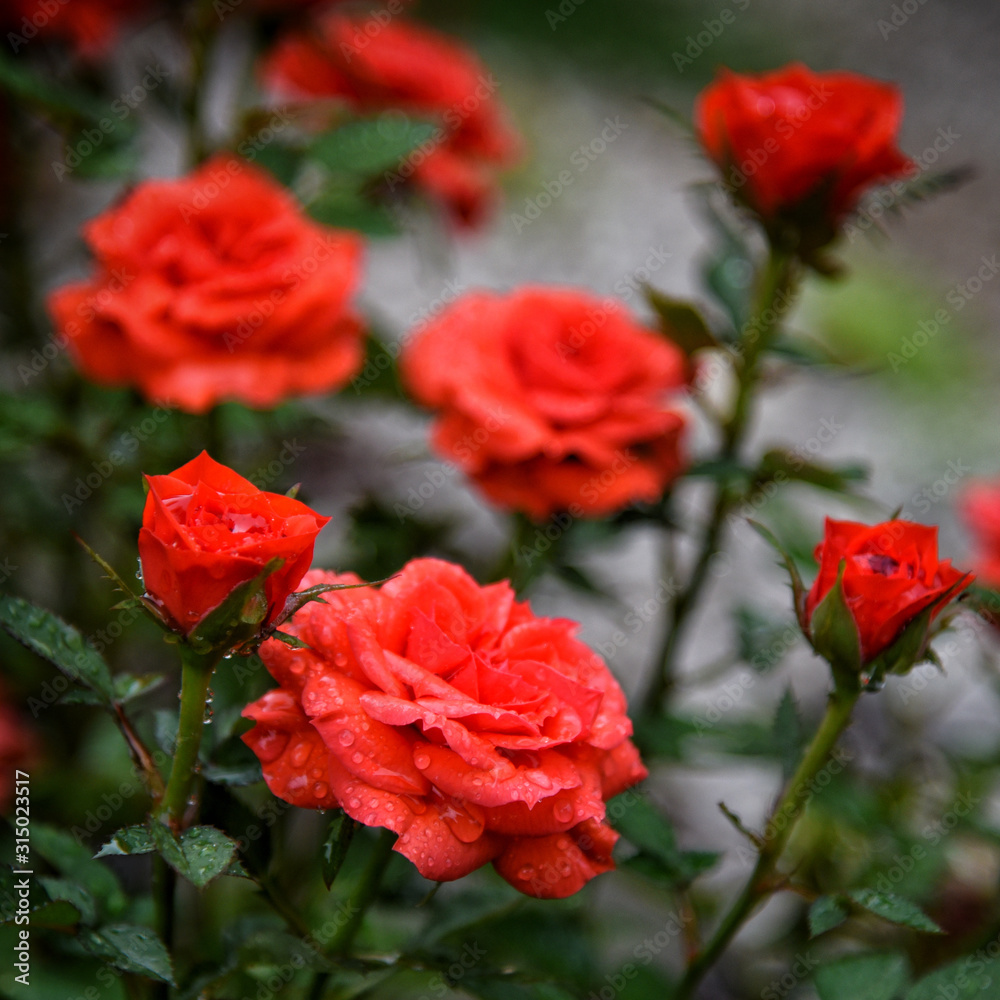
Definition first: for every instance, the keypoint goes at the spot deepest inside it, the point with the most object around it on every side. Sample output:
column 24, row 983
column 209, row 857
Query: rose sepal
column 912, row 646
column 235, row 624
column 833, row 632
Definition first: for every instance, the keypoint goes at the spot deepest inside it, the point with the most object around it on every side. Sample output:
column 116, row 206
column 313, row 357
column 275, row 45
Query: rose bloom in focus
column 799, row 148
column 448, row 713
column 551, row 399
column 373, row 66
column 205, row 530
column 980, row 509
column 891, row 575
column 215, row 287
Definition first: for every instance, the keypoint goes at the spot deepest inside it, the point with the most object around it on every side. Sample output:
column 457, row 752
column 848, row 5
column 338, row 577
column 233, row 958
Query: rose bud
column 878, row 589
column 206, row 530
column 798, row 148
column 450, row 714
column 551, row 399
column 214, row 287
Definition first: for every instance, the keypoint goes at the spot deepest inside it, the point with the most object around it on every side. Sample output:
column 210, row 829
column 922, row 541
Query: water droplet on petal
column 563, row 811
column 422, row 760
column 357, row 756
column 541, row 779
column 321, row 789
column 355, row 803
column 340, row 660
column 526, row 873
column 345, row 737
column 300, row 755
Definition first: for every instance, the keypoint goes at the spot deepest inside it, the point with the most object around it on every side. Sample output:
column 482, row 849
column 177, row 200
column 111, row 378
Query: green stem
column 363, row 894
column 196, row 673
column 204, row 25
column 777, row 280
column 360, row 898
column 780, row 825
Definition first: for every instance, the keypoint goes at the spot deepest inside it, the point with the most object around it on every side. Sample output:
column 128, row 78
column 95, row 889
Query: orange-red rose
column 448, row 713
column 800, row 147
column 374, row 65
column 551, row 399
column 205, row 530
column 215, row 287
column 980, row 508
column 891, row 574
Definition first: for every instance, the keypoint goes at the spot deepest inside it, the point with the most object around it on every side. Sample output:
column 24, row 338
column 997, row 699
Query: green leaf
column 863, row 977
column 128, row 840
column 789, row 733
column 335, row 845
column 778, row 465
column 895, row 909
column 130, row 686
column 46, row 909
column 66, row 892
column 201, row 854
column 825, row 914
column 131, row 948
column 505, row 987
column 62, row 645
column 74, row 861
column 681, row 322
column 352, row 210
column 975, row 977
column 636, row 819
column 371, row 147
column 798, row 589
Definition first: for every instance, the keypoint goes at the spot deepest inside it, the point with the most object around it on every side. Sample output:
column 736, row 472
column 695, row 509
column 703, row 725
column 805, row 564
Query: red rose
column 798, row 146
column 91, row 26
column 205, row 530
column 450, row 714
column 215, row 287
column 551, row 399
column 373, row 65
column 980, row 509
column 891, row 574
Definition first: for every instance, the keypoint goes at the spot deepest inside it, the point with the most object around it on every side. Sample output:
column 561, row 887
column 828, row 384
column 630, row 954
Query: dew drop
column 320, row 789
column 563, row 811
column 527, row 872
column 316, row 772
column 355, row 803
column 422, row 760
column 541, row 779
column 345, row 737
column 357, row 756
column 300, row 755
column 340, row 660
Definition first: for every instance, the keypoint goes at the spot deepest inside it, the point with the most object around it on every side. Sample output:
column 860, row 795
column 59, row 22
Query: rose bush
column 891, row 575
column 215, row 287
column 551, row 399
column 450, row 714
column 371, row 66
column 797, row 147
column 205, row 530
